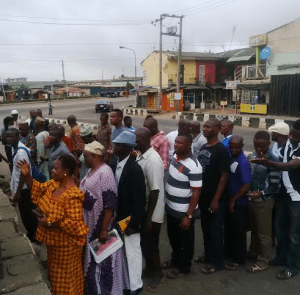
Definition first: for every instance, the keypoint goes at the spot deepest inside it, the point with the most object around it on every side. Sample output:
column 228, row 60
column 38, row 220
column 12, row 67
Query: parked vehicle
column 104, row 106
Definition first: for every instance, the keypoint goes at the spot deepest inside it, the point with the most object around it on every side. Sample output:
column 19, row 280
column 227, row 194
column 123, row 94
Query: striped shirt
column 182, row 176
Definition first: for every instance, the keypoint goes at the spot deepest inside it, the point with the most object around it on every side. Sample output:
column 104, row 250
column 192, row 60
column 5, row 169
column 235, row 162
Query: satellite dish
column 265, row 53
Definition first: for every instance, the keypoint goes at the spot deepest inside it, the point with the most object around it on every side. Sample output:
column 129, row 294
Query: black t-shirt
column 214, row 161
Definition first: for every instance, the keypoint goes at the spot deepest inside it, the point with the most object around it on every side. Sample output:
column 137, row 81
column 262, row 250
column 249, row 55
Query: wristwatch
column 189, row 216
column 49, row 223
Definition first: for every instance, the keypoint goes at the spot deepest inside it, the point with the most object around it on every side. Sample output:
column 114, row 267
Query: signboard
column 177, row 96
column 253, row 108
column 231, row 84
column 258, row 40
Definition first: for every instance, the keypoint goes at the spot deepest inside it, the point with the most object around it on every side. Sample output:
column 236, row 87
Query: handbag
column 36, row 172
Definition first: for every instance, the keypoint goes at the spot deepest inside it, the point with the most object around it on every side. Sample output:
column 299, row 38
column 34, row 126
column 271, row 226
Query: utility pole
column 171, row 31
column 179, row 64
column 63, row 71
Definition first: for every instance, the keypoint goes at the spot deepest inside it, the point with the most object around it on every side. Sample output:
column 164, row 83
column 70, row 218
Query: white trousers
column 135, row 260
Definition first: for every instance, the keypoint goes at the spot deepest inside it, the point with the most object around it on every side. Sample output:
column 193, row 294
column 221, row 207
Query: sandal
column 285, row 274
column 168, row 264
column 231, row 266
column 156, row 283
column 255, row 268
column 173, row 274
column 200, row 259
column 209, row 269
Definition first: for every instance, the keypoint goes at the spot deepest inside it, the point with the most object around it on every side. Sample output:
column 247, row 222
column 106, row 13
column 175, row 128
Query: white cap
column 13, row 112
column 280, row 128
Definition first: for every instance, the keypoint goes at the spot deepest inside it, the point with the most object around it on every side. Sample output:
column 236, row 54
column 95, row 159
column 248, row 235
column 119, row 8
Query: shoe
column 136, row 291
column 286, row 274
column 174, row 274
column 256, row 268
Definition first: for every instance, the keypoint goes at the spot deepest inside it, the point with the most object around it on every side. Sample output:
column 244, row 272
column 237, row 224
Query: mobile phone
column 37, row 213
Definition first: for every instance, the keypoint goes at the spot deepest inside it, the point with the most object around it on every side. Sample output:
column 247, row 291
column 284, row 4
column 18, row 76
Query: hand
column 255, row 195
column 15, row 199
column 231, row 206
column 23, row 167
column 134, row 153
column 214, row 205
column 103, row 236
column 261, row 161
column 185, row 223
column 149, row 225
column 129, row 231
column 43, row 221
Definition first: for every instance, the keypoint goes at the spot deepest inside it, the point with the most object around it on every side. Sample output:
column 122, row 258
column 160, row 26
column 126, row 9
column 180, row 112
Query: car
column 104, row 106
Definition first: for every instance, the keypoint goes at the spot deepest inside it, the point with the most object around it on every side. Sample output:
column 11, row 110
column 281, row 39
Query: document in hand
column 102, row 251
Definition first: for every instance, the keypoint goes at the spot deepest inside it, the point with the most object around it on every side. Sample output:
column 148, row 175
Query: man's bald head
column 195, row 128
column 184, row 126
column 143, row 136
column 226, row 127
column 237, row 139
column 71, row 121
column 61, row 129
column 152, row 125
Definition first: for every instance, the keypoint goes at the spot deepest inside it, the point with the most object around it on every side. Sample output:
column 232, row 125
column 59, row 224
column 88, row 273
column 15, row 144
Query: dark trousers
column 235, row 234
column 287, row 229
column 182, row 243
column 29, row 219
column 50, row 111
column 9, row 155
column 150, row 247
column 212, row 229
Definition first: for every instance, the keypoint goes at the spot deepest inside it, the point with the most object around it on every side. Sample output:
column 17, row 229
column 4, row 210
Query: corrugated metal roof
column 239, row 58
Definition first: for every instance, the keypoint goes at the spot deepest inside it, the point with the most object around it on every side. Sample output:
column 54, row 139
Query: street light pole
column 122, row 47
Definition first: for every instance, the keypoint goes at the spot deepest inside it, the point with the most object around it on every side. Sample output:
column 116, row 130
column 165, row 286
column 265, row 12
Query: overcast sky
column 36, row 35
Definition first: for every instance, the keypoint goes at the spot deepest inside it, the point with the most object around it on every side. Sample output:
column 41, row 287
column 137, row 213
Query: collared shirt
column 42, row 152
column 117, row 131
column 21, row 154
column 276, row 149
column 182, row 176
column 120, row 168
column 265, row 179
column 55, row 152
column 171, row 139
column 225, row 141
column 240, row 174
column 198, row 142
column 104, row 135
column 153, row 169
column 29, row 141
column 291, row 178
column 160, row 143
column 76, row 140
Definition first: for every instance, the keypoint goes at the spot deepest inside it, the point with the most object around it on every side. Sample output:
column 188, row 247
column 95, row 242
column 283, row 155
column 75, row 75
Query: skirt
column 65, row 270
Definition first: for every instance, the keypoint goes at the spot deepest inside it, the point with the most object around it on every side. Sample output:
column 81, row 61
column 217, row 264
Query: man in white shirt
column 22, row 195
column 153, row 169
column 184, row 126
column 131, row 202
column 280, row 133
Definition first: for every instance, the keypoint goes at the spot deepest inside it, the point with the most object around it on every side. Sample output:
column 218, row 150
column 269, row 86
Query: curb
column 242, row 121
column 134, row 111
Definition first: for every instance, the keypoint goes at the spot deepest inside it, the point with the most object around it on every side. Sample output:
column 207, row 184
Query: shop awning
column 217, row 86
column 254, row 84
column 194, row 87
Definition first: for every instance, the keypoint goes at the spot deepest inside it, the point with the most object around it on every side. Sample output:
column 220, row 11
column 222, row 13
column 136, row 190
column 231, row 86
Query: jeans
column 212, row 229
column 287, row 230
column 260, row 214
column 182, row 243
column 235, row 234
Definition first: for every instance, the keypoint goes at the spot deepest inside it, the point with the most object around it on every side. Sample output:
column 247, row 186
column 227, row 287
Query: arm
column 108, row 215
column 186, row 221
column 151, row 206
column 164, row 149
column 220, row 189
column 291, row 165
column 242, row 192
column 4, row 159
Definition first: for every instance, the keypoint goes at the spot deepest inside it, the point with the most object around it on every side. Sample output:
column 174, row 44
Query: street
column 84, row 110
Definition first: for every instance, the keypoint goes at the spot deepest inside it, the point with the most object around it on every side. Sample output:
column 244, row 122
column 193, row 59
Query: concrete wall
column 285, row 45
column 169, row 71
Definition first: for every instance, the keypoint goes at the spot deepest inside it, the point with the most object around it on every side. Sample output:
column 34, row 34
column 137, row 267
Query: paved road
column 85, row 112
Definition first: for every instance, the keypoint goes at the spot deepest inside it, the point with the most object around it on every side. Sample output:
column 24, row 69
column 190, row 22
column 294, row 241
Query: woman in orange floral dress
column 61, row 225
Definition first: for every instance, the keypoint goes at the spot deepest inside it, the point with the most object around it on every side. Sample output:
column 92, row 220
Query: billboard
column 258, row 40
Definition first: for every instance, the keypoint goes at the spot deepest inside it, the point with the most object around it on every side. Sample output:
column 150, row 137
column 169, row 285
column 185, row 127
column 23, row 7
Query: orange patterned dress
column 64, row 243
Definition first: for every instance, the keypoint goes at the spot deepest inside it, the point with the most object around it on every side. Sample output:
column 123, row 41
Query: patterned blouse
column 76, row 140
column 66, row 210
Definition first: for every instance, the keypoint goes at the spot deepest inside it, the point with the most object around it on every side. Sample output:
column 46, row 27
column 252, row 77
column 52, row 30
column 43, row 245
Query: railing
column 251, row 72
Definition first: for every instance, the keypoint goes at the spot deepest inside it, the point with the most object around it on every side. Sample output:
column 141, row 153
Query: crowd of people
column 93, row 181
